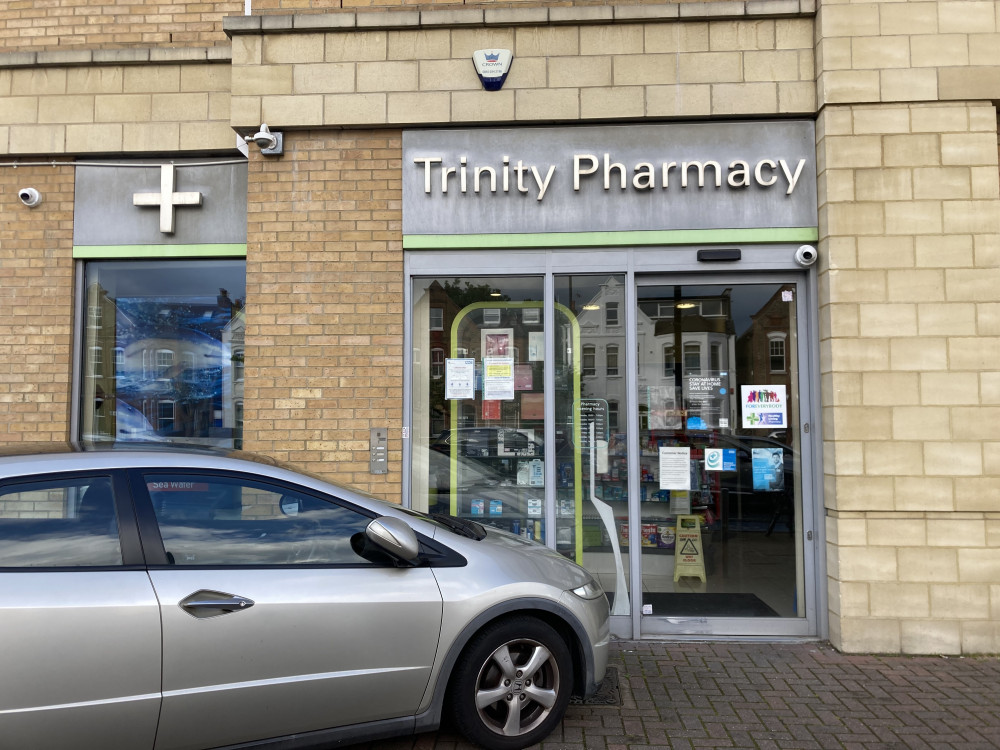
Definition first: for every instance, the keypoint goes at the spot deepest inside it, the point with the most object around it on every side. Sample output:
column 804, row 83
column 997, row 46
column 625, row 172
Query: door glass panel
column 721, row 493
column 59, row 523
column 478, row 447
column 590, row 401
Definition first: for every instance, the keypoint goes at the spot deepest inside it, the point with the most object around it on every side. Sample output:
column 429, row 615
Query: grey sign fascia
column 106, row 214
column 569, row 179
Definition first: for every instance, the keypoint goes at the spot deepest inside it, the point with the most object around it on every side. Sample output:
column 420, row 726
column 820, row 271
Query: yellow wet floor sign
column 689, row 560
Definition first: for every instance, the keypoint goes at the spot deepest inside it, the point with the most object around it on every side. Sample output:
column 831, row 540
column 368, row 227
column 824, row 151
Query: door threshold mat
column 608, row 694
column 706, row 605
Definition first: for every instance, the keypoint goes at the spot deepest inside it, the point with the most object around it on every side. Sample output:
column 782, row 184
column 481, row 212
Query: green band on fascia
column 122, row 252
column 610, row 239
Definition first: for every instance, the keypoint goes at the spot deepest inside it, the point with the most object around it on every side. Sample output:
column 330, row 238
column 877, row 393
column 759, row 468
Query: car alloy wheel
column 513, row 686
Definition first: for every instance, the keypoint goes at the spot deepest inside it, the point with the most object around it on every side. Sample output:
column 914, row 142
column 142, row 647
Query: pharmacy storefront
column 613, row 336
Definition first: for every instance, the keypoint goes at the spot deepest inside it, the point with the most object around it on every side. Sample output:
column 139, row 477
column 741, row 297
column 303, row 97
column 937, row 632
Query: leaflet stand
column 620, row 606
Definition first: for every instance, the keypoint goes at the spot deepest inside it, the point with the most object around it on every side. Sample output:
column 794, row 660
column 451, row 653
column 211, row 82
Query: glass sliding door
column 719, row 453
column 478, row 446
column 591, row 403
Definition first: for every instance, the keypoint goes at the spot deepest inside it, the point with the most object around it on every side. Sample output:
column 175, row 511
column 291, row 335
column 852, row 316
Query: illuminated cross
column 166, row 199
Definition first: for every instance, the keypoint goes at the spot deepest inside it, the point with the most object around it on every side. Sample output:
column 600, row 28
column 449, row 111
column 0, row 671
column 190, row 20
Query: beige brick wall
column 423, row 76
column 910, row 232
column 909, row 51
column 128, row 109
column 324, row 338
column 36, row 304
column 78, row 24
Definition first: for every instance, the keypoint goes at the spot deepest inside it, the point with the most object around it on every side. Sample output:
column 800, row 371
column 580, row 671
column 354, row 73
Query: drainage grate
column 608, row 694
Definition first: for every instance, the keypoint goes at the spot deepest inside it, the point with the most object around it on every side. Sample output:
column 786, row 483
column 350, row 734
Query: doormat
column 608, row 694
column 708, row 605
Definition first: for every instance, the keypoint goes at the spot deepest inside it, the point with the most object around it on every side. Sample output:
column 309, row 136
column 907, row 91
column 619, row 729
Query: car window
column 59, row 523
column 213, row 520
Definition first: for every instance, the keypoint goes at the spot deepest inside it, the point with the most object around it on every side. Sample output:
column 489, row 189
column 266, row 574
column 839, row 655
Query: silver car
column 171, row 600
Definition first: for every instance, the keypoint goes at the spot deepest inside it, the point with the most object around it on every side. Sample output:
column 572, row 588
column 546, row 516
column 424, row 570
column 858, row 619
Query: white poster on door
column 498, row 378
column 675, row 468
column 460, row 378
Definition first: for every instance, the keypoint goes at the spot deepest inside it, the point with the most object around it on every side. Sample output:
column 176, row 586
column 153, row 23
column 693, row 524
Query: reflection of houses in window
column 164, row 361
column 763, row 350
column 688, row 345
column 611, row 360
column 776, row 350
column 437, row 363
column 602, row 339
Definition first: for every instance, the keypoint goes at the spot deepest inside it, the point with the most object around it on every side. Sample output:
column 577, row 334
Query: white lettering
column 520, row 170
column 427, row 161
column 739, row 174
column 701, row 172
column 577, row 171
column 792, row 178
column 543, row 185
column 645, row 177
column 608, row 167
column 759, row 176
column 493, row 178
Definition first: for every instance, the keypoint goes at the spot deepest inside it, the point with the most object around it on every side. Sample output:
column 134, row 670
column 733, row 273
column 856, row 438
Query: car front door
column 79, row 624
column 272, row 624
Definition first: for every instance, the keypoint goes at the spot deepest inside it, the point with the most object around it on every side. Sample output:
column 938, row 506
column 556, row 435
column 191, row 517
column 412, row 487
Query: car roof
column 50, row 458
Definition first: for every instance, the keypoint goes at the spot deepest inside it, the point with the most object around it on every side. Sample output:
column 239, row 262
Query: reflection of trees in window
column 611, row 360
column 589, row 360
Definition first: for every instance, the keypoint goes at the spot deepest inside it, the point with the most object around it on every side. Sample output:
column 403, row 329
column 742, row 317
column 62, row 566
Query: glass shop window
column 174, row 331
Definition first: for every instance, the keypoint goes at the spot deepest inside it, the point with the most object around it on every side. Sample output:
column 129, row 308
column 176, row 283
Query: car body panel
column 310, row 653
column 79, row 659
column 326, row 653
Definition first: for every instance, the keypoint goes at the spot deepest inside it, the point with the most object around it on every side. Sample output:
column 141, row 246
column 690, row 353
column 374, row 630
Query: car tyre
column 512, row 684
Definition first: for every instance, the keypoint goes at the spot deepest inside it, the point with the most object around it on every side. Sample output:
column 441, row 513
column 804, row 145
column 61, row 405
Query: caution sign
column 689, row 560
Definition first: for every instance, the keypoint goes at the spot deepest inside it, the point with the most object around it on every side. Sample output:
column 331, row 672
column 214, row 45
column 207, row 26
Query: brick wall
column 36, row 304
column 324, row 340
column 77, row 24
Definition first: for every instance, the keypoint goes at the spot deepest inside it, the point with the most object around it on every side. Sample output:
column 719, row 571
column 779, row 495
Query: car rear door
column 79, row 623
column 272, row 624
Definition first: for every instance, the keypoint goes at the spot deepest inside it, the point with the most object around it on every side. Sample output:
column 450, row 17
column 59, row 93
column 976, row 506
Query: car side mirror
column 394, row 537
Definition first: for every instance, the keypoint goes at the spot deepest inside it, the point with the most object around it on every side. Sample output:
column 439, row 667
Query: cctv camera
column 806, row 255
column 29, row 197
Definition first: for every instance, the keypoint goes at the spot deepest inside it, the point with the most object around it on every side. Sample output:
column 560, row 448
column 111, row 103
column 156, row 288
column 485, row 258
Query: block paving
column 776, row 696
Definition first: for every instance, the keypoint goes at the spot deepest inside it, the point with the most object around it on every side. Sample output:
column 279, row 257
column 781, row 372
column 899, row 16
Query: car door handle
column 212, row 603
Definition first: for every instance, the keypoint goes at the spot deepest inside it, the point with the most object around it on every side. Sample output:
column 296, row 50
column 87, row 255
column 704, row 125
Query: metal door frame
column 807, row 415
column 757, row 263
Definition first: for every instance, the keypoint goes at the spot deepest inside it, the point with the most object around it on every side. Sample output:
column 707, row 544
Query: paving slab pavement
column 776, row 696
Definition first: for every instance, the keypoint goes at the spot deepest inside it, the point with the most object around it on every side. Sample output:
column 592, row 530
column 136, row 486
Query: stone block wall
column 112, row 105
